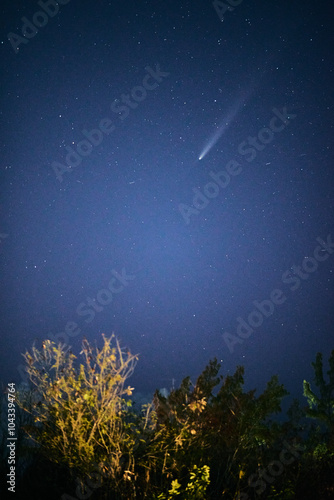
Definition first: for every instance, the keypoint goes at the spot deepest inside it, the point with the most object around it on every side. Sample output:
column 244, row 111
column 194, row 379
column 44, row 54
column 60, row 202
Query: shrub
column 79, row 410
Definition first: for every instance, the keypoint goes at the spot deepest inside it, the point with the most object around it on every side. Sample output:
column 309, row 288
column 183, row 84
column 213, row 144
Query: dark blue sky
column 111, row 223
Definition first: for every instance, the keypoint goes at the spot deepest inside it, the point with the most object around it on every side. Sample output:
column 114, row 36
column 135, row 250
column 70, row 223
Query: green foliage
column 79, row 410
column 203, row 441
column 287, row 494
column 226, row 430
column 195, row 489
column 321, row 406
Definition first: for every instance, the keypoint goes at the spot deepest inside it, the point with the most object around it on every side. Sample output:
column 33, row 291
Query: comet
column 226, row 122
column 214, row 139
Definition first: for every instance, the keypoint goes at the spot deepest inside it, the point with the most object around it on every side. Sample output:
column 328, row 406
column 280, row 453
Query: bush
column 79, row 411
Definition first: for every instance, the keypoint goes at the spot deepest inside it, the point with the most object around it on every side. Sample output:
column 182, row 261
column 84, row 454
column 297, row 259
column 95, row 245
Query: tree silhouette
column 321, row 407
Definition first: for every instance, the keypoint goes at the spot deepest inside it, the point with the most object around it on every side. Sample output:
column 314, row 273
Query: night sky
column 167, row 175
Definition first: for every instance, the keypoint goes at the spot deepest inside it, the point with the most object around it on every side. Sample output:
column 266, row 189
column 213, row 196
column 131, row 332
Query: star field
column 109, row 221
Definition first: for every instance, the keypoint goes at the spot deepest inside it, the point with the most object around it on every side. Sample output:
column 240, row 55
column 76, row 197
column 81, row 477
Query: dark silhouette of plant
column 318, row 462
column 211, row 439
column 226, row 430
column 321, row 407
